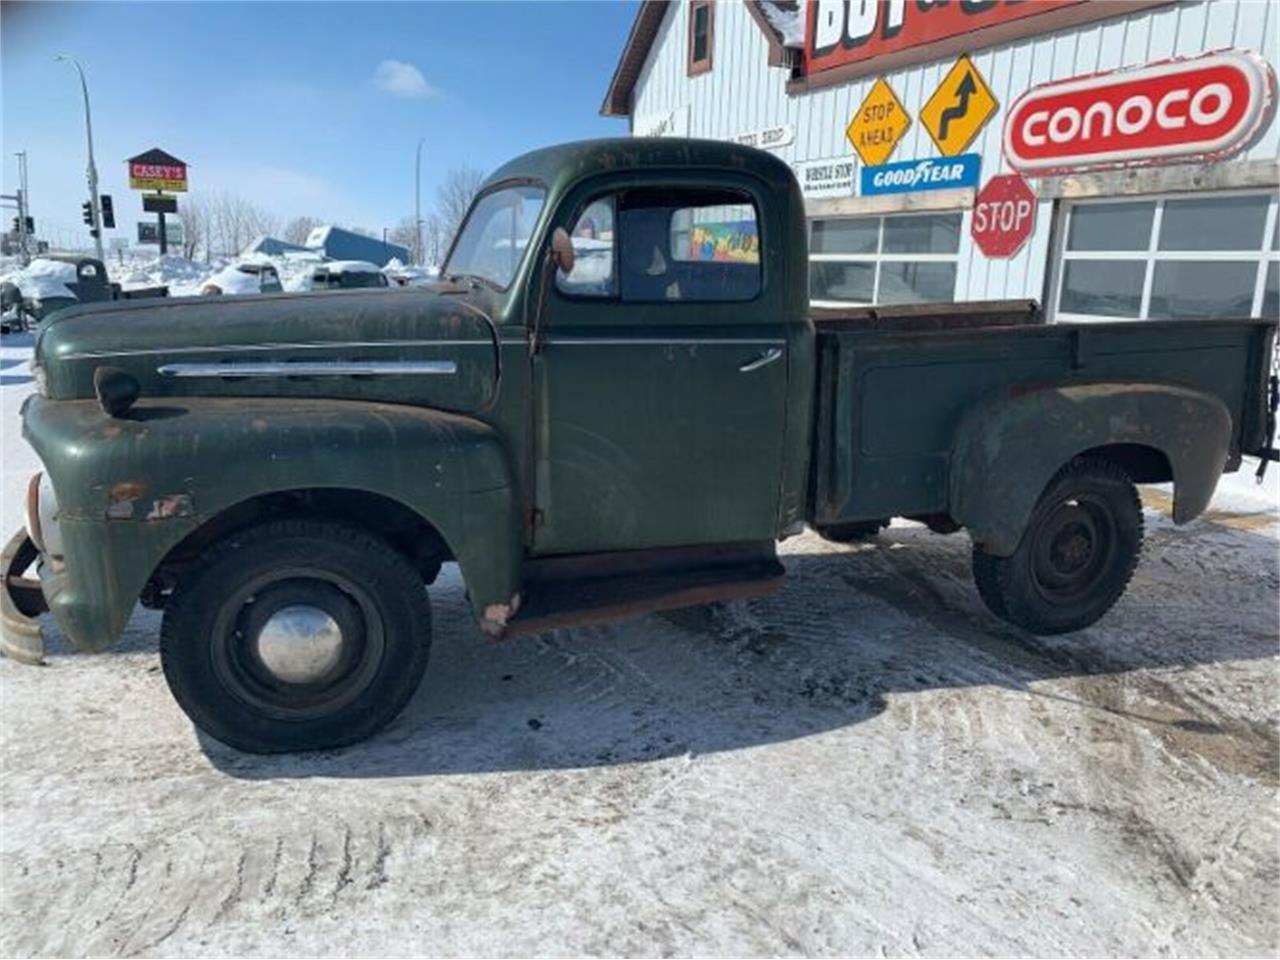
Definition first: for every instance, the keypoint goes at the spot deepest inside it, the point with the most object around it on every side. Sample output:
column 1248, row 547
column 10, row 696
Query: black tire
column 1077, row 554
column 254, row 665
column 852, row 532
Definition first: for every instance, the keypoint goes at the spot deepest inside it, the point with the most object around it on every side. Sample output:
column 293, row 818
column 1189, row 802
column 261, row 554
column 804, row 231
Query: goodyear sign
column 928, row 174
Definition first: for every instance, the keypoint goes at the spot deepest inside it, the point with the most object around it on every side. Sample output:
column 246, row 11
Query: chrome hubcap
column 299, row 644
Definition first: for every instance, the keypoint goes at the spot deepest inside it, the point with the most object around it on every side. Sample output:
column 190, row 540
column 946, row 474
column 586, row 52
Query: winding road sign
column 958, row 109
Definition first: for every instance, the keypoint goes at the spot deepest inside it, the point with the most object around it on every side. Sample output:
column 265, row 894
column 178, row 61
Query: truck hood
column 398, row 346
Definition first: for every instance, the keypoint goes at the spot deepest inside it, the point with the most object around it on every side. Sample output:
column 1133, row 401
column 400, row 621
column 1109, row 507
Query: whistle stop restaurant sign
column 1180, row 111
column 846, row 39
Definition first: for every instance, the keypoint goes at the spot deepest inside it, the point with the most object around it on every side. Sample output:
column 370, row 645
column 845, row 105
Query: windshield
column 495, row 235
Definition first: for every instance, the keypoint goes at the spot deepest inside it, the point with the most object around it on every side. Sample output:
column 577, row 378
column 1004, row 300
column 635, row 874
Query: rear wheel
column 1076, row 556
column 296, row 635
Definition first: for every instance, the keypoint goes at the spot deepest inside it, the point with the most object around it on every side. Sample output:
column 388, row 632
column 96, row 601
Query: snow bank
column 169, row 270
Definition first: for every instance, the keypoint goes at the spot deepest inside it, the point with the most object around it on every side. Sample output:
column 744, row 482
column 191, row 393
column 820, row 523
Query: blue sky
column 304, row 108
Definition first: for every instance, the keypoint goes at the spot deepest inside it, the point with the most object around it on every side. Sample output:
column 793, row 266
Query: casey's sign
column 850, row 38
column 1180, row 111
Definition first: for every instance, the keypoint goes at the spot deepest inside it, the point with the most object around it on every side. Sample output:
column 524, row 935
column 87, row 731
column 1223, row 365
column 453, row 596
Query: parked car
column 54, row 281
column 346, row 275
column 242, row 278
column 284, row 477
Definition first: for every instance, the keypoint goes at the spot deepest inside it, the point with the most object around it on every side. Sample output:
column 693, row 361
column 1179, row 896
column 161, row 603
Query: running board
column 551, row 604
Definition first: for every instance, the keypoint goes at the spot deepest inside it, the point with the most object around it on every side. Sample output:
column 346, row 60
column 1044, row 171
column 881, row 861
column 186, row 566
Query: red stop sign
column 1004, row 214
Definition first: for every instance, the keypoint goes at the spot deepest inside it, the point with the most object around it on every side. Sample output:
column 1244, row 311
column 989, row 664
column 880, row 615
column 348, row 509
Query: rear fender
column 130, row 489
column 1010, row 445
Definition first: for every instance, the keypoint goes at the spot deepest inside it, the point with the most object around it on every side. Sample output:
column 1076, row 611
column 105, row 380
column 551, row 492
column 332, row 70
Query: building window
column 1170, row 258
column 702, row 17
column 879, row 260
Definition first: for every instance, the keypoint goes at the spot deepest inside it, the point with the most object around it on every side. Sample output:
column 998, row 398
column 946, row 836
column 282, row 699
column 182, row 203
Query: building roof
column 159, row 157
column 781, row 22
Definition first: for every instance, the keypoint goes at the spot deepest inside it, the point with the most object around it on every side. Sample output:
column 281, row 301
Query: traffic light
column 31, row 225
column 108, row 214
column 87, row 213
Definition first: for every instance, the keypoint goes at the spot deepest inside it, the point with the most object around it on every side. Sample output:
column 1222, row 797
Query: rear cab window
column 667, row 244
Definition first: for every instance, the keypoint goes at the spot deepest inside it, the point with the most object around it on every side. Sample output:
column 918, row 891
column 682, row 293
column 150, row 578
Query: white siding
column 742, row 93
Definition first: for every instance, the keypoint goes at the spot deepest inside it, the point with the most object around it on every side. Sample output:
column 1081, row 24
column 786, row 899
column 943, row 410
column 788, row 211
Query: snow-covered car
column 409, row 275
column 242, row 278
column 56, row 280
column 346, row 275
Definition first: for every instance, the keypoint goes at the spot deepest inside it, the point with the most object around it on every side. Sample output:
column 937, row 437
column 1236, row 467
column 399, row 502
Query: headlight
column 41, row 379
column 42, row 516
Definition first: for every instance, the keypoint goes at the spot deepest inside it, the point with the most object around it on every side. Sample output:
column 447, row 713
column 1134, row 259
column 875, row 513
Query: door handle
column 766, row 358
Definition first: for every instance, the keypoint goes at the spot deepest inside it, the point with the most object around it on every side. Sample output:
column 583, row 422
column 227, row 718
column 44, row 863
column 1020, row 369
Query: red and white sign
column 864, row 36
column 1004, row 214
column 1180, row 111
column 157, row 171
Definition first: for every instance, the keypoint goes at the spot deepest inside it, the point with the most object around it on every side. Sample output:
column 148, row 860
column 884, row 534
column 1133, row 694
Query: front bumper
column 21, row 601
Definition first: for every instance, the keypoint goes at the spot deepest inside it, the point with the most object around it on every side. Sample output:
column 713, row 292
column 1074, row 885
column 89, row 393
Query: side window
column 593, row 274
column 694, row 245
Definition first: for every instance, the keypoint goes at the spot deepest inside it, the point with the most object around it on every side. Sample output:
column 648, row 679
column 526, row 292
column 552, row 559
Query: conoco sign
column 1179, row 111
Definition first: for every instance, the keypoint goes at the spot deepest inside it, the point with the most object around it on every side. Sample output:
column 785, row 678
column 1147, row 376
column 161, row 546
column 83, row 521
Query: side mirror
column 562, row 250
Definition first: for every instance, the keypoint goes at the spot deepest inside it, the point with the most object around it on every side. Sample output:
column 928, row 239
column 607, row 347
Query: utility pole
column 96, row 212
column 24, row 204
column 417, row 206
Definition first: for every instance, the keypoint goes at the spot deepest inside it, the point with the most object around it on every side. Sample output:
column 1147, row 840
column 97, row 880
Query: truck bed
column 890, row 397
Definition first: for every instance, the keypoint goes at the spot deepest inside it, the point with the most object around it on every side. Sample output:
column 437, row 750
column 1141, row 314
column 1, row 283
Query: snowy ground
column 864, row 763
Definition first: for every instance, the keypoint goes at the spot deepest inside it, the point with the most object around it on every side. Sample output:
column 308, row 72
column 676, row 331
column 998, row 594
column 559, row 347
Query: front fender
column 1010, row 445
column 131, row 488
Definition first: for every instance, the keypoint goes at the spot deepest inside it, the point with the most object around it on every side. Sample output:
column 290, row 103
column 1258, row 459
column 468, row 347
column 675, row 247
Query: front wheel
column 1076, row 556
column 296, row 635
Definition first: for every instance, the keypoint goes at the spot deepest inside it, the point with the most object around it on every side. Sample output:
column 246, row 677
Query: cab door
column 660, row 382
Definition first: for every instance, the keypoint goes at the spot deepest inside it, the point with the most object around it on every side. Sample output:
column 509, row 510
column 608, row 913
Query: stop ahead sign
column 1004, row 214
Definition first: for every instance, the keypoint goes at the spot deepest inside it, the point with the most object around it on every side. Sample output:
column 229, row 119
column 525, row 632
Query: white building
column 1148, row 210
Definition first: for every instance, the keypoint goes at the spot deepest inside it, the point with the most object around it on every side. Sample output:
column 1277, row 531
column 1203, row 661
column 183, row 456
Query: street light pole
column 93, row 169
column 417, row 206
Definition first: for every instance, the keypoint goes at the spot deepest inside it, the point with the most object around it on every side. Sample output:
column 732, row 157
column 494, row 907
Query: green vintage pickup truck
column 616, row 399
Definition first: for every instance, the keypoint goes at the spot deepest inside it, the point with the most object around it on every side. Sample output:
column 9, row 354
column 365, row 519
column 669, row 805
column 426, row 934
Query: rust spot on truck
column 128, row 490
column 123, row 497
column 497, row 615
column 175, row 505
